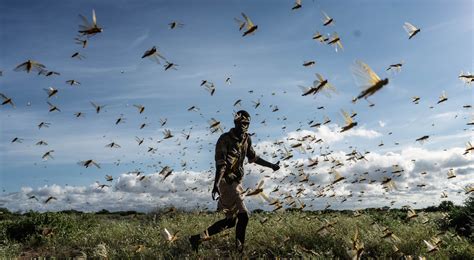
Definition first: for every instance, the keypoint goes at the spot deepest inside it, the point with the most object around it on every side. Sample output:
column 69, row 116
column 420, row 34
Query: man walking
column 231, row 150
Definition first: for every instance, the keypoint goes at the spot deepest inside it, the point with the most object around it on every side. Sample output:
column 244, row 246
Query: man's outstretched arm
column 254, row 158
column 264, row 163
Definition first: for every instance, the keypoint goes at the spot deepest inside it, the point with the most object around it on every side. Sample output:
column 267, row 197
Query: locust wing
column 409, row 28
column 364, row 76
column 347, row 117
column 248, row 21
column 94, row 19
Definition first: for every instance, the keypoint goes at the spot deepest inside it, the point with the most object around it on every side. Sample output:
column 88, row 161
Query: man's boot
column 195, row 241
column 239, row 246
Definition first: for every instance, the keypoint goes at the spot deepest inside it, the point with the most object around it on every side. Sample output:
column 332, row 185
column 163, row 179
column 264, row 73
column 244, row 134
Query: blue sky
column 209, row 46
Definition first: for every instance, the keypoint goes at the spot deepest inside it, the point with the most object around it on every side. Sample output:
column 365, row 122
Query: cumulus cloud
column 420, row 176
column 331, row 134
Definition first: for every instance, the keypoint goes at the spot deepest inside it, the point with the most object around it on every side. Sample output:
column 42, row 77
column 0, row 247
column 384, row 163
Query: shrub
column 462, row 219
column 20, row 230
column 446, row 206
column 103, row 211
column 4, row 211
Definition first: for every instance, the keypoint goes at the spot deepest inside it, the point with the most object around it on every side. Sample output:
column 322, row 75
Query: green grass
column 285, row 234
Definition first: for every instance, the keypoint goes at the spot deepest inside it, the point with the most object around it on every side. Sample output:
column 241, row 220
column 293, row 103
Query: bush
column 71, row 211
column 4, row 211
column 459, row 218
column 103, row 211
column 446, row 206
column 21, row 230
column 462, row 219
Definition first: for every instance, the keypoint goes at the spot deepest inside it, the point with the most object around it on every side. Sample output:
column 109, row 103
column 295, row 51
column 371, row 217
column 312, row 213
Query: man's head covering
column 242, row 116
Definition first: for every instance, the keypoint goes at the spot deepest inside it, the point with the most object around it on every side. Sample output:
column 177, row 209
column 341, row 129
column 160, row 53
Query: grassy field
column 283, row 234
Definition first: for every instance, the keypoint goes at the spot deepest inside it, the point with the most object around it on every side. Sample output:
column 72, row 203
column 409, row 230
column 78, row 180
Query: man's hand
column 262, row 162
column 214, row 191
column 275, row 166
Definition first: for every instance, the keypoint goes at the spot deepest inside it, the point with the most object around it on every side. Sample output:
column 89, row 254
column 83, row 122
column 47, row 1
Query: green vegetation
column 290, row 233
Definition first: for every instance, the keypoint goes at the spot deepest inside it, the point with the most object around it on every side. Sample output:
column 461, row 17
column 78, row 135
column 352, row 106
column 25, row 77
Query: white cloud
column 331, row 133
column 191, row 190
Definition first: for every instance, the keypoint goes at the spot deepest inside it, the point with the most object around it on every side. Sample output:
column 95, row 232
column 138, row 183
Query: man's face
column 242, row 126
